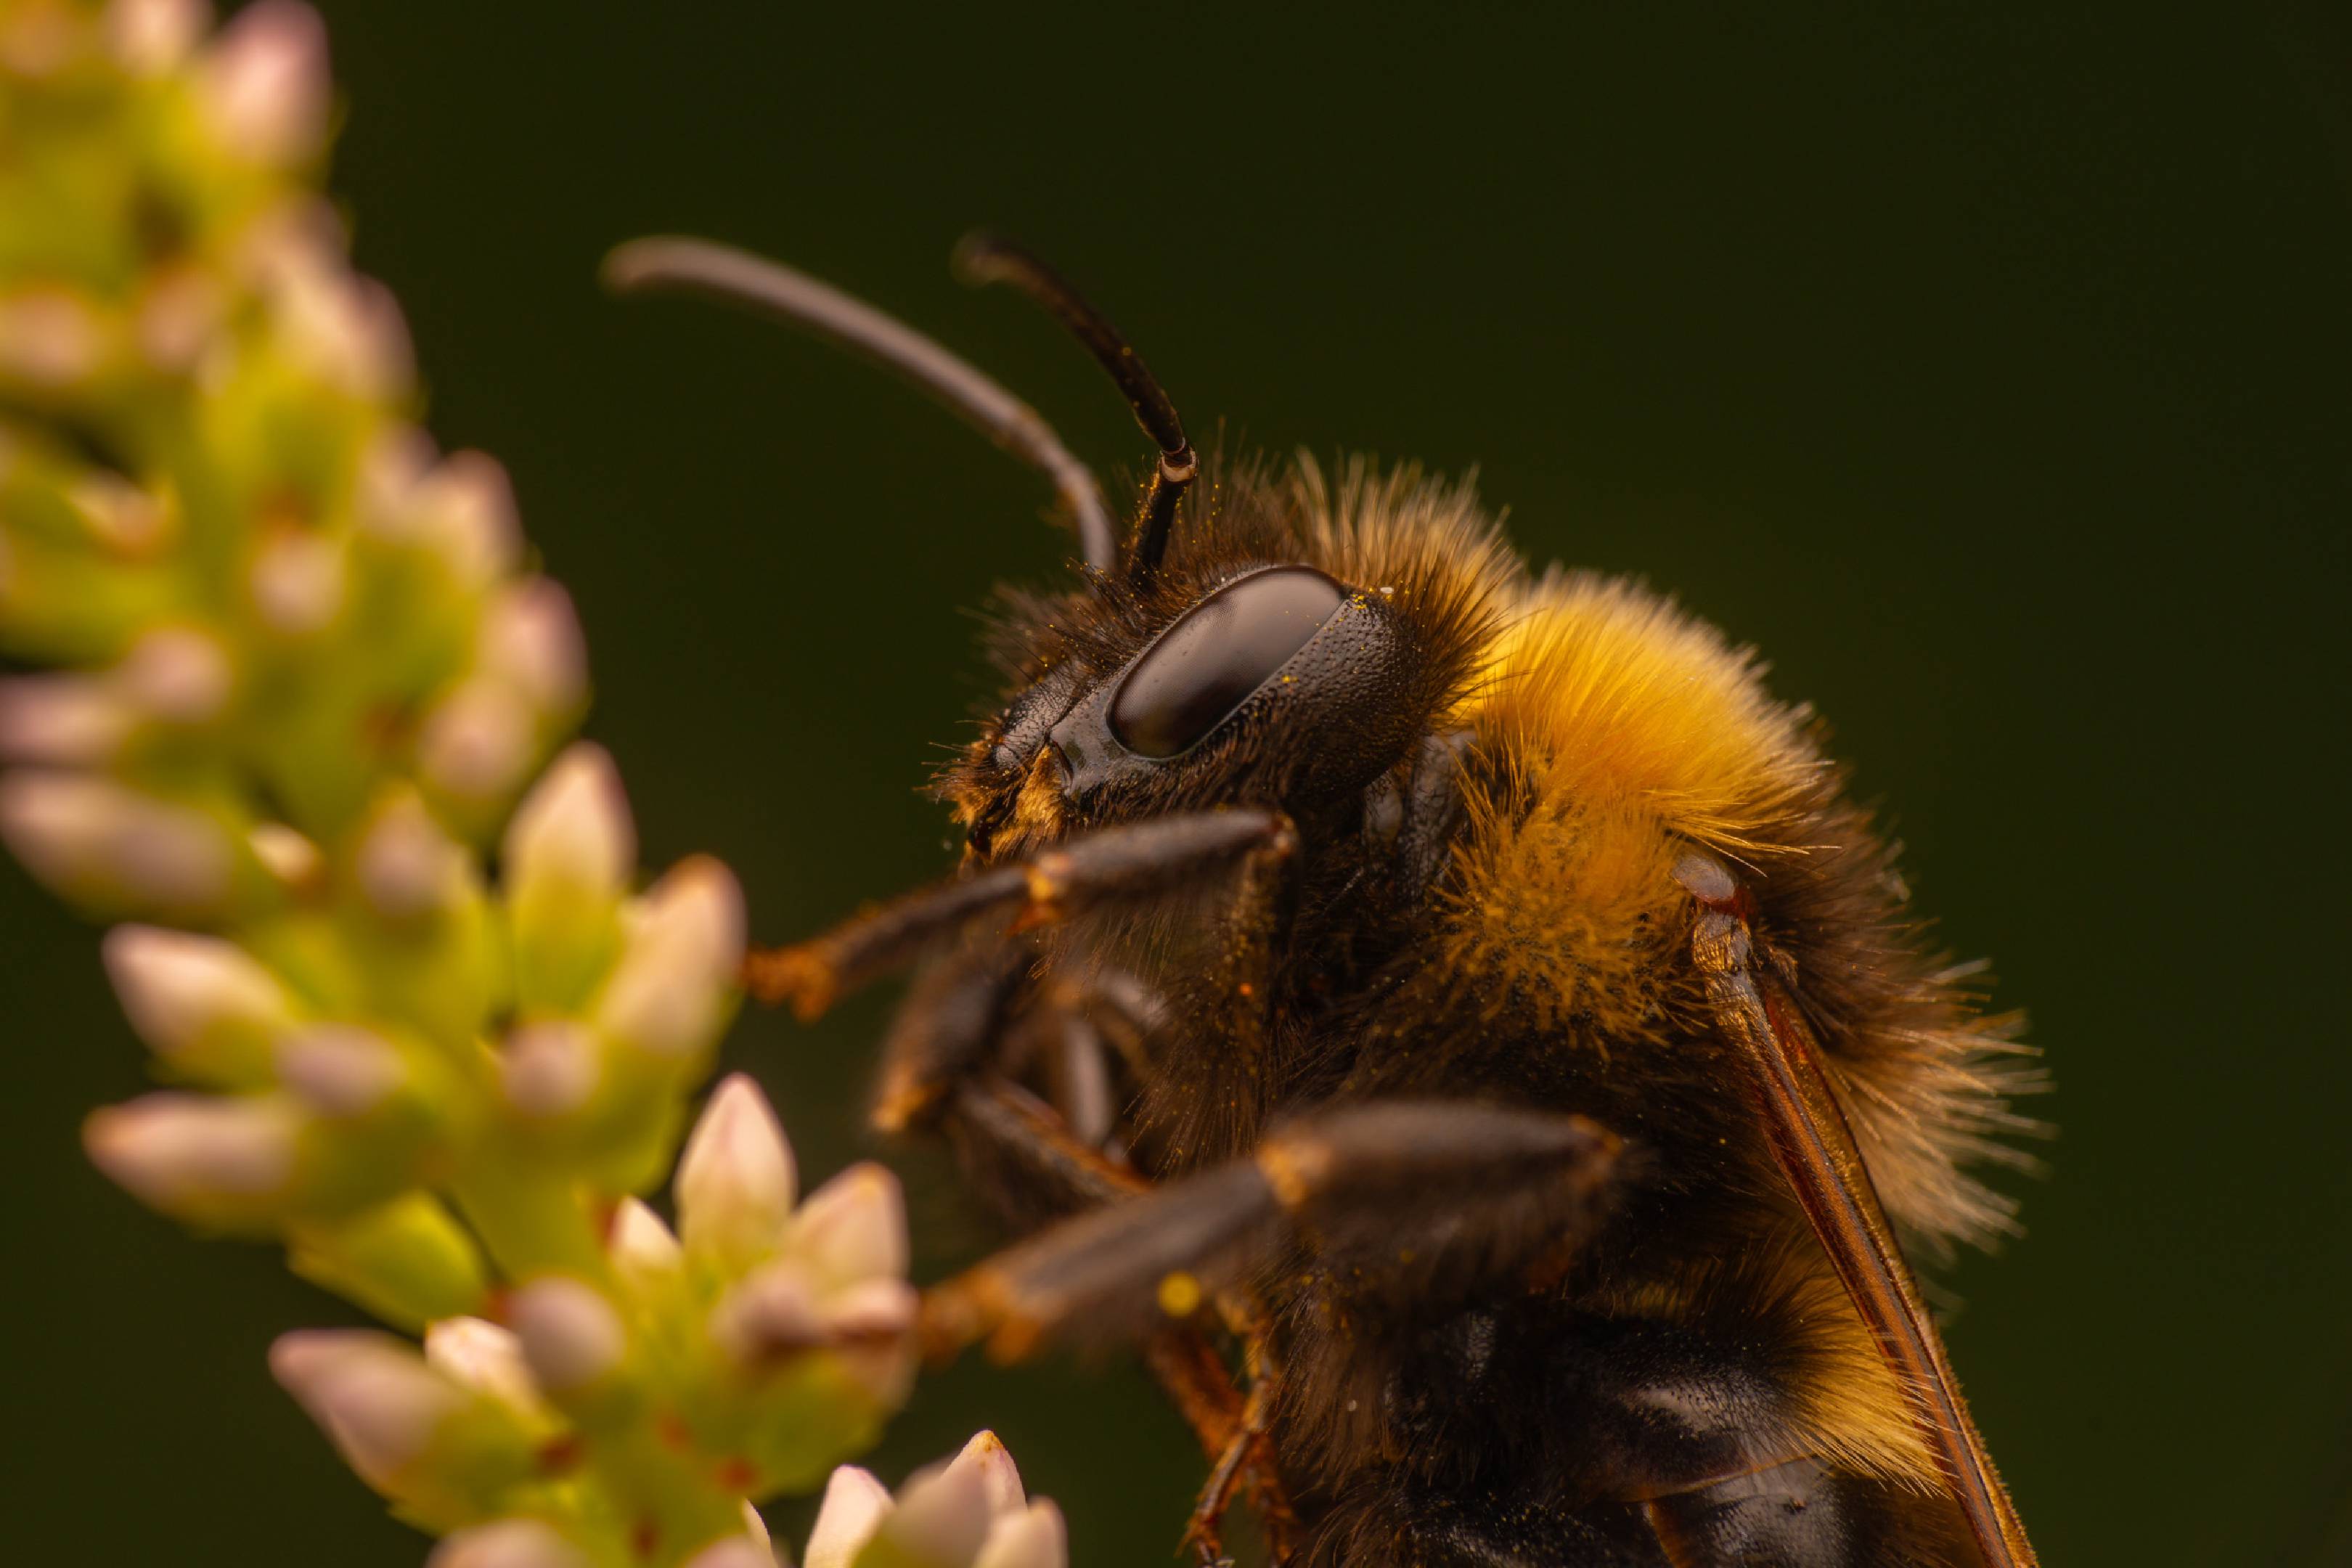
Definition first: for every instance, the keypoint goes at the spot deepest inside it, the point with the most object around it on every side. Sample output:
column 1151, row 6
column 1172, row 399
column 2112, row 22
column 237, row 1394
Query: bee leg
column 1454, row 1190
column 942, row 1069
column 1246, row 1459
column 1112, row 863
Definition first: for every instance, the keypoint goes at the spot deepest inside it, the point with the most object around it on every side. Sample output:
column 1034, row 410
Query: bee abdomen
column 1789, row 1515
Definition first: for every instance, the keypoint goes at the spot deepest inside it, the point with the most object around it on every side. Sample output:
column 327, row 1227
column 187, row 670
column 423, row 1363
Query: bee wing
column 1761, row 1016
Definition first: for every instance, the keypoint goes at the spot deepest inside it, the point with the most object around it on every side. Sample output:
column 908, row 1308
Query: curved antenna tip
column 654, row 261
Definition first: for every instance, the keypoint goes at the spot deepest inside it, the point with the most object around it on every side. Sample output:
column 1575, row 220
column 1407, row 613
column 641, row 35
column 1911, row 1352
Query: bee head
column 1295, row 646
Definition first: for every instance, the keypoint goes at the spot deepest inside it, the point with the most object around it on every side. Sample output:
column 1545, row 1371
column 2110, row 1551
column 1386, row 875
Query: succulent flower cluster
column 301, row 691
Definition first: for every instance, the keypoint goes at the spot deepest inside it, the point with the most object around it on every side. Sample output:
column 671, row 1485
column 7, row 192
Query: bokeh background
column 1990, row 367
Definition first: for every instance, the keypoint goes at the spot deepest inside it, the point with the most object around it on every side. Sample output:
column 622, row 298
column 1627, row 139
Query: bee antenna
column 982, row 257
column 667, row 264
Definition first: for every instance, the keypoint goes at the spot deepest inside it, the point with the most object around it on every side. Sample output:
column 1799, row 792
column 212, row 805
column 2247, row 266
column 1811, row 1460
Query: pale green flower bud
column 568, row 857
column 51, row 339
column 735, row 1551
column 1034, row 1537
column 464, row 510
column 508, row 1544
column 177, row 675
column 262, row 87
column 122, row 518
column 531, row 640
column 340, row 1070
column 941, row 1521
column 969, row 1513
column 987, row 1457
column 298, row 580
column 670, row 993
column 204, row 1005
column 854, row 1508
column 482, row 1356
column 69, row 720
column 179, row 312
column 735, row 1180
column 477, row 742
column 408, row 868
column 769, row 1316
column 643, row 1251
column 292, row 860
column 851, row 1229
column 571, row 1337
column 548, row 1071
column 446, row 1453
column 150, row 37
column 378, row 1402
column 226, row 1161
column 99, row 841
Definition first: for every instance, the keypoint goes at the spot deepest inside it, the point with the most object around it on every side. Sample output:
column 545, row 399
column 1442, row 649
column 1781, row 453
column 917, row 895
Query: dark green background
column 1988, row 369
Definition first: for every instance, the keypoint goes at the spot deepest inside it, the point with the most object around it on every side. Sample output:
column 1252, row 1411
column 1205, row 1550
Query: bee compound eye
column 1223, row 649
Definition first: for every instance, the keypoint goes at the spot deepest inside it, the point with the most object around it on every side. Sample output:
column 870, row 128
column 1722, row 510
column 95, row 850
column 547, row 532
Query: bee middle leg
column 1448, row 1191
column 1449, row 1196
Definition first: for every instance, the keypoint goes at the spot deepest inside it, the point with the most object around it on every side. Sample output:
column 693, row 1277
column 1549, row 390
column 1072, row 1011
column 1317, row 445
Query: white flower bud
column 150, row 37
column 94, row 838
column 1033, row 1538
column 855, row 1507
column 465, row 509
column 530, row 639
column 183, row 991
column 852, row 1228
column 1000, row 1479
column 477, row 740
column 735, row 1180
column 62, row 719
column 264, row 87
column 573, row 831
column 408, row 866
column 122, row 517
column 642, row 1249
column 37, row 40
column 178, row 314
column 194, row 1154
column 547, row 1069
column 482, row 1356
column 378, row 1402
column 757, row 1528
column 178, row 675
column 297, row 581
column 770, row 1315
column 871, row 1311
column 49, row 337
column 684, row 952
column 571, row 1336
column 286, row 855
column 941, row 1517
column 340, row 1070
column 392, row 468
column 508, row 1544
column 735, row 1551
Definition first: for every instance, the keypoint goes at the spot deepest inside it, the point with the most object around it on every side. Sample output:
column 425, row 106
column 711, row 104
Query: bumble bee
column 1459, row 995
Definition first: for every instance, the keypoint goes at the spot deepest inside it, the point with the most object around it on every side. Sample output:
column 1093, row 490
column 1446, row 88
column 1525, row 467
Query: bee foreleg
column 1113, row 863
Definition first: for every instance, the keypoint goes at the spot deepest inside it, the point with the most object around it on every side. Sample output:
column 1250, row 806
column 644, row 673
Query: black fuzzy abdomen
column 1535, row 1437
